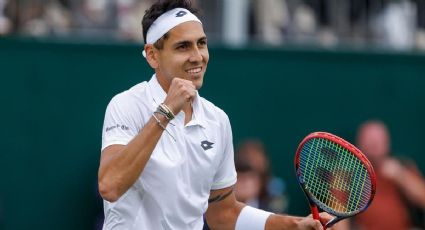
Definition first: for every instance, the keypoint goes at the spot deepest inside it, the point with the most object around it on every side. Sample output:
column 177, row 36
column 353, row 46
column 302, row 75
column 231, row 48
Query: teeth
column 195, row 70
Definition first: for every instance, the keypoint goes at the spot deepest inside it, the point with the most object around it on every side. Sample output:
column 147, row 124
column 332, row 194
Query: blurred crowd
column 398, row 24
column 399, row 202
column 101, row 19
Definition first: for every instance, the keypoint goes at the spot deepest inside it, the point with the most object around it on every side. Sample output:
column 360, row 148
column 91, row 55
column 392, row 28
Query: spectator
column 95, row 18
column 401, row 189
column 5, row 23
column 271, row 20
column 129, row 16
column 253, row 168
column 420, row 15
column 248, row 186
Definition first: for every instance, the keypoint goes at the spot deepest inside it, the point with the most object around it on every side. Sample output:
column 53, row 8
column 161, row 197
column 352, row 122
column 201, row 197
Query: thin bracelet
column 168, row 111
column 165, row 111
column 161, row 110
column 163, row 127
column 160, row 113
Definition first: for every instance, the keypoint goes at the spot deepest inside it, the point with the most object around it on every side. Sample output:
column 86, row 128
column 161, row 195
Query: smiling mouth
column 194, row 70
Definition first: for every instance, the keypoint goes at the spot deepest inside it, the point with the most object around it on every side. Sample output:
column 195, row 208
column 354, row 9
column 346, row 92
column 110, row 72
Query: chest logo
column 206, row 145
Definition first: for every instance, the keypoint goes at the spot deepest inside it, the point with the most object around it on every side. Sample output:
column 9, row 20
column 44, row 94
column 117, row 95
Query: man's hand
column 309, row 223
column 286, row 222
column 181, row 91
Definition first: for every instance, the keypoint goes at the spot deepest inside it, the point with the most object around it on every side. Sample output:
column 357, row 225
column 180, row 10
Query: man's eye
column 182, row 47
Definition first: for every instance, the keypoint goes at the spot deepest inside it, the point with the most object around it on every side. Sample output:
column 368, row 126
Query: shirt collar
column 157, row 92
column 159, row 95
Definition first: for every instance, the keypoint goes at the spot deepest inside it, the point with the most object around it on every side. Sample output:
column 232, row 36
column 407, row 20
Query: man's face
column 184, row 55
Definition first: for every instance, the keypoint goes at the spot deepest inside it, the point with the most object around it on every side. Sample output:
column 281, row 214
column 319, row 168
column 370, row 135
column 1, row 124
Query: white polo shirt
column 173, row 190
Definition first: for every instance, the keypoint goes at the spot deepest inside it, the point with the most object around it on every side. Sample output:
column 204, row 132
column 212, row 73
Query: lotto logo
column 206, row 145
column 181, row 13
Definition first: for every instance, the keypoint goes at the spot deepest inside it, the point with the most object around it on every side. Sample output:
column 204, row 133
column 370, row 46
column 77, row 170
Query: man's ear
column 151, row 56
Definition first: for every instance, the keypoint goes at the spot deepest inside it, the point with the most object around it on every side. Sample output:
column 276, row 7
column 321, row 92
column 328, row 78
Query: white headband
column 166, row 22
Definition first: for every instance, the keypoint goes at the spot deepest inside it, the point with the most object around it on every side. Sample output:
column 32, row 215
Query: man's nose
column 196, row 55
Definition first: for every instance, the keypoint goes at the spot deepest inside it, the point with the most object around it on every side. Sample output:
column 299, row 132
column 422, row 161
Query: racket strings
column 338, row 192
column 334, row 176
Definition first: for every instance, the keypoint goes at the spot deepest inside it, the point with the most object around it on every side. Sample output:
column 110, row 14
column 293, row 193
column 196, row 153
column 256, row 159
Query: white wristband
column 252, row 219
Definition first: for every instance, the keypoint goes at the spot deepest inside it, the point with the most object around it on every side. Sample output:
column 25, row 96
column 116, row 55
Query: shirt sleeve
column 226, row 173
column 119, row 126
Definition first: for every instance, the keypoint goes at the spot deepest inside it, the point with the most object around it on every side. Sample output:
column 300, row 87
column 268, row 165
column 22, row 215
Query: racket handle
column 316, row 216
column 315, row 212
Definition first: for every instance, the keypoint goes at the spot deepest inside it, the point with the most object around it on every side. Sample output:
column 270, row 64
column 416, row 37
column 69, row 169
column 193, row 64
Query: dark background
column 54, row 95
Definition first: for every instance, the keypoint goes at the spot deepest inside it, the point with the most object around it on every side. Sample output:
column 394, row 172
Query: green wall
column 54, row 94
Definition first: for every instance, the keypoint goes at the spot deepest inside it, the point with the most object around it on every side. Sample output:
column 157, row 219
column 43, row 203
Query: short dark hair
column 158, row 9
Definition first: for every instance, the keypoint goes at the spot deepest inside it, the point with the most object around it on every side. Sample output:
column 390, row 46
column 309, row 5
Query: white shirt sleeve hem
column 113, row 142
column 224, row 183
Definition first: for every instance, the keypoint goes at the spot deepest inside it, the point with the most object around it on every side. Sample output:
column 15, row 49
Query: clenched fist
column 181, row 91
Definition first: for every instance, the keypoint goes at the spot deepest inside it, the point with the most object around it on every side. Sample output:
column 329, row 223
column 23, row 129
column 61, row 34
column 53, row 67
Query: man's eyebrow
column 202, row 38
column 185, row 42
column 188, row 42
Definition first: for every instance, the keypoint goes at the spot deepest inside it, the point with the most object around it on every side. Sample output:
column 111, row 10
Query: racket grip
column 316, row 216
column 315, row 212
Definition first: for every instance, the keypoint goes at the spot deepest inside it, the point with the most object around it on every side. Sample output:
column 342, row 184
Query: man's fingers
column 181, row 81
column 181, row 91
column 325, row 217
column 317, row 225
column 309, row 223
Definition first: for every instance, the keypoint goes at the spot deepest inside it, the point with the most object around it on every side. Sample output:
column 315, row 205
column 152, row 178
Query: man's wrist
column 161, row 117
column 252, row 218
column 162, row 122
column 283, row 222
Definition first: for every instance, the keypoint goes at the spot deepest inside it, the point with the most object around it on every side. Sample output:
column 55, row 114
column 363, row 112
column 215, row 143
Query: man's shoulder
column 131, row 98
column 135, row 92
column 211, row 110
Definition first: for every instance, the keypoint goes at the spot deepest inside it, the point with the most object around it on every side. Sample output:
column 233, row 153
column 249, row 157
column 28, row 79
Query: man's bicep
column 221, row 196
column 223, row 209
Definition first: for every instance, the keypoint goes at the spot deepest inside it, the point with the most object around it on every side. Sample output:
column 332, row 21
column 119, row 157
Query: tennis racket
column 336, row 176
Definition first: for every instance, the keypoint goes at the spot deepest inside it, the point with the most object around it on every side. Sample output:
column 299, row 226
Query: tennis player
column 167, row 153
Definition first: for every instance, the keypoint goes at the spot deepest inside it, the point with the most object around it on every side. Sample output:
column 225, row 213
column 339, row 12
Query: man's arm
column 223, row 213
column 121, row 165
column 223, row 209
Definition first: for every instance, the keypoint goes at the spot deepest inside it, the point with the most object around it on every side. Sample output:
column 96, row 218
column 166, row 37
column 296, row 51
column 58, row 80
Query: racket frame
column 352, row 149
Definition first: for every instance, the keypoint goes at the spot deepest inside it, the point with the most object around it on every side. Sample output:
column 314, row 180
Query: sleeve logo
column 123, row 127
